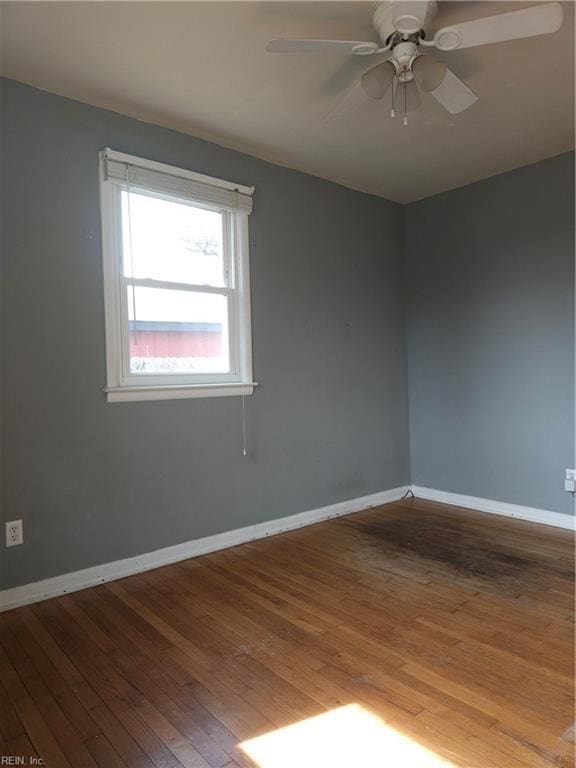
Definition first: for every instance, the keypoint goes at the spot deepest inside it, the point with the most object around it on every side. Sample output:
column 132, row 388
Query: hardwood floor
column 455, row 628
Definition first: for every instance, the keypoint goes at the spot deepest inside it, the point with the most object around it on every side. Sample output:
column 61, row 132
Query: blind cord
column 244, row 449
column 243, row 425
column 131, row 253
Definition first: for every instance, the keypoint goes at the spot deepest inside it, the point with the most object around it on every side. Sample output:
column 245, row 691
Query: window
column 176, row 282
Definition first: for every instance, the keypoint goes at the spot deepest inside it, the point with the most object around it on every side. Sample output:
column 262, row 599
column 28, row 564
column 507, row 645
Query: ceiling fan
column 404, row 28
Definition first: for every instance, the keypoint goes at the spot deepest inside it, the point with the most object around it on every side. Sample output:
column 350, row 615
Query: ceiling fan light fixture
column 377, row 80
column 429, row 74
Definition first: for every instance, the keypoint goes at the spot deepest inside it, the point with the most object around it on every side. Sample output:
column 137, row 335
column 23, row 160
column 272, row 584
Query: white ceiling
column 201, row 68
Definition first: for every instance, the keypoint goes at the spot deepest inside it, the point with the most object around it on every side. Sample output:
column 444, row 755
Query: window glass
column 171, row 241
column 177, row 331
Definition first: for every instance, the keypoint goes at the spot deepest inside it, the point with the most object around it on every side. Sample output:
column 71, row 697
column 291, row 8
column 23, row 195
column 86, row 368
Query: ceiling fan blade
column 453, row 94
column 287, row 45
column 406, row 97
column 377, row 80
column 351, row 100
column 428, row 73
column 528, row 22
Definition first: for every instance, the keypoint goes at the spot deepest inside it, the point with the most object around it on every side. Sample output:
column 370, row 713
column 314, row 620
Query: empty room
column 287, row 384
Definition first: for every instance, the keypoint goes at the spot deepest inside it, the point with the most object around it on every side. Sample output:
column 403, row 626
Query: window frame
column 122, row 385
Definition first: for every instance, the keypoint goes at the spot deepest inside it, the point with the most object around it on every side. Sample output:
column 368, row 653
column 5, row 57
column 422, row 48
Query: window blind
column 165, row 180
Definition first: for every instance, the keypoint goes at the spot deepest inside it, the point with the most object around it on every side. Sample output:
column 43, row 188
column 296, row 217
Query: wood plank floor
column 453, row 627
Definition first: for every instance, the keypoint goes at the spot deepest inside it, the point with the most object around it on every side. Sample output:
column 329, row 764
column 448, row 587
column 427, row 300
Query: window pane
column 164, row 240
column 177, row 331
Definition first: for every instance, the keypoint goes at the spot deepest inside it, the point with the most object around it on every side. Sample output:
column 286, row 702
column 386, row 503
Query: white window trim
column 123, row 386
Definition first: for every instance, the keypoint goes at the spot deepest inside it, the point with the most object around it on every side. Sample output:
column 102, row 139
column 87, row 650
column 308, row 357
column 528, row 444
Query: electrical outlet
column 570, row 481
column 14, row 533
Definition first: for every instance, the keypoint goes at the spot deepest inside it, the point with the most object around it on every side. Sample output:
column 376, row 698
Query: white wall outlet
column 14, row 533
column 570, row 481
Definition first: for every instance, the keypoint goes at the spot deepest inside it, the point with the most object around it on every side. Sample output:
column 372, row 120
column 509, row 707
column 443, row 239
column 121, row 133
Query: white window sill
column 176, row 392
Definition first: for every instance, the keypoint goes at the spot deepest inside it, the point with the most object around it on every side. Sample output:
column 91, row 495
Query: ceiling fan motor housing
column 403, row 17
column 403, row 57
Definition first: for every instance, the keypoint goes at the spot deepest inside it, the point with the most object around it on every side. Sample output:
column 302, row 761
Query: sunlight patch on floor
column 341, row 738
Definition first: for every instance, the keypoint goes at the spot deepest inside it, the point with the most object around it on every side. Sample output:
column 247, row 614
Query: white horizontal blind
column 172, row 183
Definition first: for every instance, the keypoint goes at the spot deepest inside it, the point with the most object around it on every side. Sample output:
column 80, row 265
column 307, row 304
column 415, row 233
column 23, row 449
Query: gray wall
column 491, row 336
column 95, row 482
column 490, row 274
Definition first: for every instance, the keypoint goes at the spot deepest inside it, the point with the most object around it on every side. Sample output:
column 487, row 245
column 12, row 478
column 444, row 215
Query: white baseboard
column 99, row 574
column 534, row 515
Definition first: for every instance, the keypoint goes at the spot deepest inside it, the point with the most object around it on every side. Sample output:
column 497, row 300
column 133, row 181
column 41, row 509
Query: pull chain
column 243, row 425
column 392, row 110
column 405, row 121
